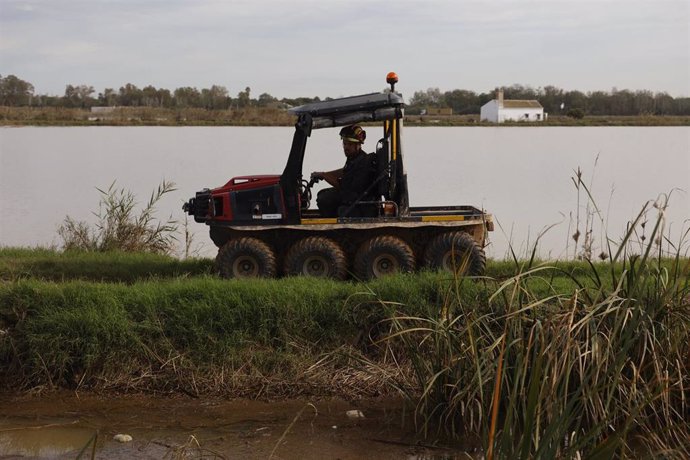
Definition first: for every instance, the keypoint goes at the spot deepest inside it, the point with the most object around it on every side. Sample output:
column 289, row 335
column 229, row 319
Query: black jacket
column 359, row 174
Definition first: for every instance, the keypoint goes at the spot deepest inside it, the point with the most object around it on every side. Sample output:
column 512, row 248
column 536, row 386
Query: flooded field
column 64, row 425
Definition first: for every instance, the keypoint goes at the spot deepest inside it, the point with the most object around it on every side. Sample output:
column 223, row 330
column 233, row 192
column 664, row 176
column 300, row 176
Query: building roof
column 521, row 104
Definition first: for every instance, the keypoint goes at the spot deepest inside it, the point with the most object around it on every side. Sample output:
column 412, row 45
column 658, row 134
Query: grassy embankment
column 149, row 322
column 548, row 360
column 256, row 116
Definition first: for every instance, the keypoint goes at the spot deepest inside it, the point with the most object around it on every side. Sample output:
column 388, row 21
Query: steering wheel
column 305, row 193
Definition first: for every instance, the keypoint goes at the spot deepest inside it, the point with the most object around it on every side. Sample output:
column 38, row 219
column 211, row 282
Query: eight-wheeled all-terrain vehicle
column 263, row 226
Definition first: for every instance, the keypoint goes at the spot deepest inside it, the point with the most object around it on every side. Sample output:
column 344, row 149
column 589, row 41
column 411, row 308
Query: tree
column 681, row 106
column 187, row 97
column 130, row 96
column 519, row 92
column 599, row 103
column 551, row 98
column 462, row 101
column 576, row 113
column 265, row 100
column 243, row 99
column 430, row 97
column 79, row 96
column 622, row 103
column 575, row 100
column 15, row 91
column 215, row 98
column 152, row 97
column 643, row 102
column 149, row 97
column 663, row 104
column 108, row 97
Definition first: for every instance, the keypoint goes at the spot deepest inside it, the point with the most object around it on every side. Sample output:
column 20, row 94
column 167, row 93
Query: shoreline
column 144, row 116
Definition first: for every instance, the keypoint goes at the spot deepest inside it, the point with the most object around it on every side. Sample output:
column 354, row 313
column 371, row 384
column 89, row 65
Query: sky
column 333, row 48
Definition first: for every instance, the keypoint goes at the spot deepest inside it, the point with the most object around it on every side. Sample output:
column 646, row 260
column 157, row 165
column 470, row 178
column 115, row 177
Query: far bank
column 258, row 116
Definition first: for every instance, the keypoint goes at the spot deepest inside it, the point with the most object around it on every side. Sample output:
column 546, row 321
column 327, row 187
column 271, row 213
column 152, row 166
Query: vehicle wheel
column 246, row 258
column 455, row 252
column 383, row 255
column 316, row 256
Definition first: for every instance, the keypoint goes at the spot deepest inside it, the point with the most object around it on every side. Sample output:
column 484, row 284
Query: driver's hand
column 316, row 175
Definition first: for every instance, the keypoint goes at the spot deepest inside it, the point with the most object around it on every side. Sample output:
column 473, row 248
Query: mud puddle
column 65, row 425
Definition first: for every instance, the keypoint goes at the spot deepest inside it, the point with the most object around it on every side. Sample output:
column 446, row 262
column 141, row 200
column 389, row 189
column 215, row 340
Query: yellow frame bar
column 394, row 136
column 330, row 220
column 442, row 218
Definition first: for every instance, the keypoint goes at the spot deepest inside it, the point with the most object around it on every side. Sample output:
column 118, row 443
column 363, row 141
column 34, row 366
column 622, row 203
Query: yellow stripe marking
column 332, row 220
column 442, row 218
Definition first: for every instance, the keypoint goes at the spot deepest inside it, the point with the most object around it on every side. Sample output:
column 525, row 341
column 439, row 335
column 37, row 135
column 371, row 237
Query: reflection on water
column 44, row 441
column 521, row 175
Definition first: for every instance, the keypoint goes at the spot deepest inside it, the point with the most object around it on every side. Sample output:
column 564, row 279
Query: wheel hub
column 245, row 267
column 454, row 261
column 385, row 264
column 315, row 265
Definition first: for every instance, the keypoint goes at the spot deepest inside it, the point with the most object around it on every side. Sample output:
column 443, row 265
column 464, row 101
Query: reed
column 596, row 371
column 120, row 227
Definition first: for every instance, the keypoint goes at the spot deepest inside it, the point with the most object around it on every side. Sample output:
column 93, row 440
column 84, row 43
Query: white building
column 499, row 110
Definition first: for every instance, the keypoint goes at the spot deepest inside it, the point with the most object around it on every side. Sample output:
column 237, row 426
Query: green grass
column 71, row 314
column 56, row 333
column 539, row 359
column 126, row 267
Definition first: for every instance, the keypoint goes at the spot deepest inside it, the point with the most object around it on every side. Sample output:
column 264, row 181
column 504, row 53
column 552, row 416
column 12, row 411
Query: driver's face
column 351, row 148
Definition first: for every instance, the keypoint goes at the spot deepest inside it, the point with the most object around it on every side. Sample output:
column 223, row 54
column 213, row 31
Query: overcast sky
column 337, row 48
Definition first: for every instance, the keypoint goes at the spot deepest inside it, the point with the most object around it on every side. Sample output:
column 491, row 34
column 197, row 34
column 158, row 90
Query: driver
column 354, row 182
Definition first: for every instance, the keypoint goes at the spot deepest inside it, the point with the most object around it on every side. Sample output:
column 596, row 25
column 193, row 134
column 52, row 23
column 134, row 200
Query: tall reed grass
column 597, row 371
column 120, row 227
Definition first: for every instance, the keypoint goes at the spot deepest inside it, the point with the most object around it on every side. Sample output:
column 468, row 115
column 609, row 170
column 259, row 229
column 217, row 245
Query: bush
column 578, row 114
column 119, row 228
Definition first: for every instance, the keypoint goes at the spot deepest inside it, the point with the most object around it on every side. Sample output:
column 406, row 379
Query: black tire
column 246, row 258
column 455, row 252
column 383, row 255
column 316, row 256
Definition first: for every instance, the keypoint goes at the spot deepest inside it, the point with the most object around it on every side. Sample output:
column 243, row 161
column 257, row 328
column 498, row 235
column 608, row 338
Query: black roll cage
column 387, row 107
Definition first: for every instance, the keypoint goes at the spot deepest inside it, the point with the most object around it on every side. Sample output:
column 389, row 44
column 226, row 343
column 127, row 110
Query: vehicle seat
column 382, row 168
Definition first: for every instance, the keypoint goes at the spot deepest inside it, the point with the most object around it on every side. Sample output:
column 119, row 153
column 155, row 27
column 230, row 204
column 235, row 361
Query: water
column 63, row 424
column 520, row 175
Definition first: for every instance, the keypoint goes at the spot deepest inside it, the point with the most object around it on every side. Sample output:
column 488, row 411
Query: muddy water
column 63, row 425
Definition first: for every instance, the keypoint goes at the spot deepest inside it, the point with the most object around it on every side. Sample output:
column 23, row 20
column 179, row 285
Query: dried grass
column 594, row 372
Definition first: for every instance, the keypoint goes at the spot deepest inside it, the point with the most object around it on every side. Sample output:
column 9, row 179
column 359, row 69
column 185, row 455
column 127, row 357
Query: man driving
column 352, row 183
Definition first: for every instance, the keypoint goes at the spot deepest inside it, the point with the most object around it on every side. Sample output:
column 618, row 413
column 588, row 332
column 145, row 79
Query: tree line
column 558, row 101
column 19, row 93
column 15, row 92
